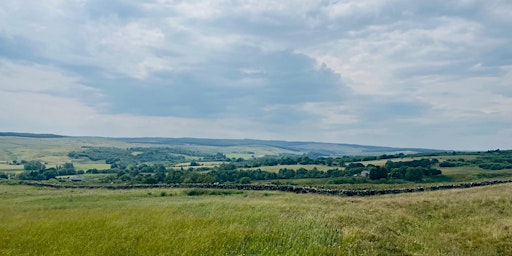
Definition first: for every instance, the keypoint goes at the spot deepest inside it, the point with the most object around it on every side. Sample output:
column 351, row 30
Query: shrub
column 413, row 174
column 245, row 180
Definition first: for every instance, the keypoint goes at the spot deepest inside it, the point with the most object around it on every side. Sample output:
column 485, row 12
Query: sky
column 427, row 74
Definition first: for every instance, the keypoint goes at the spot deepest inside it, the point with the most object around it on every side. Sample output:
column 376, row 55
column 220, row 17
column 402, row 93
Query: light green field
column 8, row 167
column 464, row 173
column 382, row 162
column 98, row 166
column 35, row 221
column 245, row 152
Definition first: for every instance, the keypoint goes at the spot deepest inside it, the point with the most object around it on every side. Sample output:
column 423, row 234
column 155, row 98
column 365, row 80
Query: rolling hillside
column 53, row 148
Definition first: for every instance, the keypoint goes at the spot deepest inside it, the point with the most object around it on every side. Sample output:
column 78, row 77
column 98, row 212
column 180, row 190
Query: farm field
column 382, row 162
column 9, row 167
column 98, row 166
column 44, row 221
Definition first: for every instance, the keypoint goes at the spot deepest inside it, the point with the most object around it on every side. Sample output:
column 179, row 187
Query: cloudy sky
column 432, row 74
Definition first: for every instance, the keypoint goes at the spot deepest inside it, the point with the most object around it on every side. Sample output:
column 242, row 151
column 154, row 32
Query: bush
column 448, row 164
column 34, row 166
column 378, row 173
column 436, row 172
column 196, row 192
column 413, row 174
column 245, row 180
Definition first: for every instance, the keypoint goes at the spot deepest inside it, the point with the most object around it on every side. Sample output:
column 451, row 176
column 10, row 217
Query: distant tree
column 448, row 164
column 50, row 174
column 414, row 174
column 354, row 166
column 34, row 166
column 68, row 166
column 93, row 171
column 436, row 172
column 378, row 172
column 195, row 177
column 150, row 180
column 225, row 166
column 286, row 173
column 398, row 173
column 301, row 173
column 66, row 169
column 245, row 180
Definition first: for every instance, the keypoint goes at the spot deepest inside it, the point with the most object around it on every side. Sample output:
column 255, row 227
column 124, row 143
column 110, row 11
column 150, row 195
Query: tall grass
column 42, row 221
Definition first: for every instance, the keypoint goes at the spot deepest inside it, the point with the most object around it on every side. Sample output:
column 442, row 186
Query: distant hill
column 30, row 135
column 227, row 146
column 319, row 148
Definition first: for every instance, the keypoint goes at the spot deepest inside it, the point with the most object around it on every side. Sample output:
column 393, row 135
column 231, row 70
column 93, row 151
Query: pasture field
column 9, row 167
column 382, row 162
column 87, row 166
column 46, row 221
column 246, row 152
column 465, row 173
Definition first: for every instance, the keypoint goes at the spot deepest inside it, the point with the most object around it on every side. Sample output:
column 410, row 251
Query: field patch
column 9, row 167
column 97, row 166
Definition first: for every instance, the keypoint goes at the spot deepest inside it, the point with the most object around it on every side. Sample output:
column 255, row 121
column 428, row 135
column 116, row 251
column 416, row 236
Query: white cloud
column 330, row 114
column 25, row 77
column 354, row 8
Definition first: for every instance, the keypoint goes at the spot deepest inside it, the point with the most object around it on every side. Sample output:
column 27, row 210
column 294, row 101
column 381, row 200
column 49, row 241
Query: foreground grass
column 42, row 221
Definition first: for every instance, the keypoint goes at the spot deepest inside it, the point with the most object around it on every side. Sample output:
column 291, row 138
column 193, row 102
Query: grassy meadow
column 98, row 166
column 9, row 167
column 46, row 221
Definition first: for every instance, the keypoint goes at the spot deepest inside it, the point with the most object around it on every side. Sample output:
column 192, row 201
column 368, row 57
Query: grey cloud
column 218, row 90
column 19, row 48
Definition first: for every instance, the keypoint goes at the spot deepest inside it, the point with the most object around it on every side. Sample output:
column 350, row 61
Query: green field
column 43, row 221
column 9, row 167
column 382, row 162
column 98, row 166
